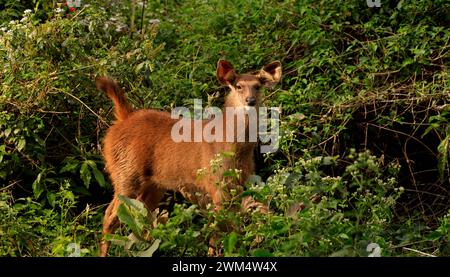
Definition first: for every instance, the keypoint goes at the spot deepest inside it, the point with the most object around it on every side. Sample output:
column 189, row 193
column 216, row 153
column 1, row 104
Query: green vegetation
column 365, row 127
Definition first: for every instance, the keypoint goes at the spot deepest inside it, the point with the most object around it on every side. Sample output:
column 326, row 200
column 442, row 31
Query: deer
column 144, row 162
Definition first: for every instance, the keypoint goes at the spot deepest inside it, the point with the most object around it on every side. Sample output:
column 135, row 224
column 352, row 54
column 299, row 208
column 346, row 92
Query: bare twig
column 84, row 104
column 402, row 133
column 419, row 252
column 10, row 185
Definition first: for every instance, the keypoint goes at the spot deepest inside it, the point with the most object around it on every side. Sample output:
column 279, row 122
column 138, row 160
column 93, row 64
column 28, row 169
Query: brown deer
column 143, row 161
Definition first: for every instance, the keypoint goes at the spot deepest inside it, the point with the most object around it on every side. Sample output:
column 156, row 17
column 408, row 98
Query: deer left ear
column 270, row 74
column 225, row 72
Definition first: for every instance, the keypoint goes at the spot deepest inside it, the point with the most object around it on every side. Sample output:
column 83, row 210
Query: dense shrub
column 364, row 145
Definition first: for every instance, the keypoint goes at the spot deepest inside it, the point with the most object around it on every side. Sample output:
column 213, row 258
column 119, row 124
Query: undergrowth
column 364, row 145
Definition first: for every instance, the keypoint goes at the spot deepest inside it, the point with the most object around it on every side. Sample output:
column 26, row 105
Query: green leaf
column 149, row 252
column 292, row 179
column 116, row 239
column 261, row 253
column 85, row 174
column 51, row 197
column 327, row 160
column 21, row 144
column 435, row 235
column 231, row 243
column 7, row 132
column 407, row 61
column 433, row 126
column 2, row 152
column 345, row 252
column 132, row 213
column 134, row 204
column 126, row 217
column 37, row 185
column 71, row 166
column 97, row 175
column 140, row 66
column 90, row 163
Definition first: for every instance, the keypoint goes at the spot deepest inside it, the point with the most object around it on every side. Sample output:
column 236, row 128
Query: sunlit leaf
column 149, row 252
column 85, row 174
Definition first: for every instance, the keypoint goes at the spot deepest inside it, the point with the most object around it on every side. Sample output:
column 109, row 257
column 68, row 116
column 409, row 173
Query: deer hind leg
column 215, row 192
column 110, row 220
column 110, row 223
column 151, row 196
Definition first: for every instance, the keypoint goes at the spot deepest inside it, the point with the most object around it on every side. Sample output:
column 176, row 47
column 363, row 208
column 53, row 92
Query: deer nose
column 251, row 101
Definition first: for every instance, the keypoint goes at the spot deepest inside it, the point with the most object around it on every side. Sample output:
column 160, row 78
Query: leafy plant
column 364, row 136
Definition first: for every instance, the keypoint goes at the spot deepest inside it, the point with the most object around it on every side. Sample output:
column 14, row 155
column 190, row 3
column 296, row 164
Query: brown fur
column 123, row 108
column 143, row 161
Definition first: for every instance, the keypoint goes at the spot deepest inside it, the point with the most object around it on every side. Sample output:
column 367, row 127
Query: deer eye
column 257, row 87
column 239, row 87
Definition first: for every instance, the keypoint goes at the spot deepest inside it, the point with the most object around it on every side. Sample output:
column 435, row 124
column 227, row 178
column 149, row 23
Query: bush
column 48, row 92
column 312, row 214
column 364, row 140
column 29, row 228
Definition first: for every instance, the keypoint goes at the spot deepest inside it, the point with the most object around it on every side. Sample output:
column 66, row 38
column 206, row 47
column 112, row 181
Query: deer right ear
column 270, row 74
column 225, row 72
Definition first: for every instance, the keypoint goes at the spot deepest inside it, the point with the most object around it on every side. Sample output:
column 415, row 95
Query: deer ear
column 225, row 72
column 270, row 74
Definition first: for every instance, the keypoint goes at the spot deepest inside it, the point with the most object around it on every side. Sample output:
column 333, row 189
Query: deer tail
column 122, row 108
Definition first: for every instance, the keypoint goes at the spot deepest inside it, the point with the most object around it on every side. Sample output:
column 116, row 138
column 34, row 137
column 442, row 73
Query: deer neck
column 244, row 128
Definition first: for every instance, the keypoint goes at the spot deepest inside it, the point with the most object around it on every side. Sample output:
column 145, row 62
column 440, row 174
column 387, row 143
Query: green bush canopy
column 364, row 136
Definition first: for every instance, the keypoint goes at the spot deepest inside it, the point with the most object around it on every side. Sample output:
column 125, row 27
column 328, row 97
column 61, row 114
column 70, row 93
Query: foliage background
column 365, row 138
